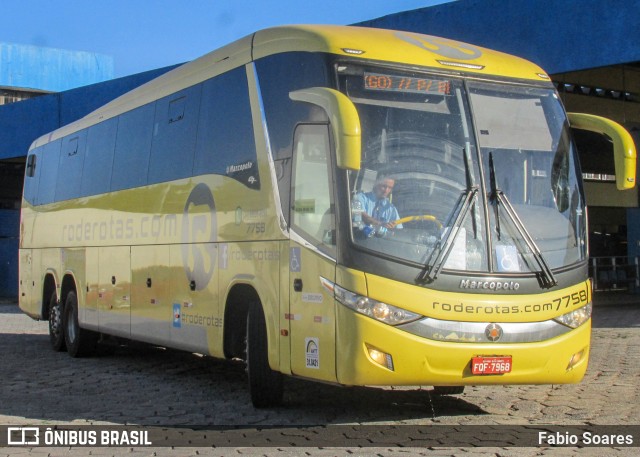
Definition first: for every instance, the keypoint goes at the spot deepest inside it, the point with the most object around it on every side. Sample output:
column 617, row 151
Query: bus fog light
column 380, row 357
column 575, row 359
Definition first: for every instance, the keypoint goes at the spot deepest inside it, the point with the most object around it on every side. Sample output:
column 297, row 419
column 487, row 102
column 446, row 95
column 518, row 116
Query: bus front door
column 311, row 256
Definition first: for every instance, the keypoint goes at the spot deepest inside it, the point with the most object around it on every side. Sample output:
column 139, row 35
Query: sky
column 143, row 35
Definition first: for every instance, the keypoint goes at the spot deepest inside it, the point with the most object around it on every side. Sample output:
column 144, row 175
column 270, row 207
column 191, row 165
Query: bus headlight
column 576, row 318
column 382, row 312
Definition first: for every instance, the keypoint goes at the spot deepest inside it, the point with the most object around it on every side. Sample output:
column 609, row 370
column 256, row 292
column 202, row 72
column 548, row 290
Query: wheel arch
column 239, row 299
column 236, row 312
column 68, row 284
column 49, row 286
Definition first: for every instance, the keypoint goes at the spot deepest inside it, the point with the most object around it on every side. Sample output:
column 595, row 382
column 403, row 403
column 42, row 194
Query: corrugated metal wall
column 559, row 36
column 23, row 122
column 48, row 69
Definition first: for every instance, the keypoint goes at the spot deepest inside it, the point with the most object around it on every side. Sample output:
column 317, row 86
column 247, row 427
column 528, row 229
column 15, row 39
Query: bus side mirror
column 624, row 149
column 344, row 120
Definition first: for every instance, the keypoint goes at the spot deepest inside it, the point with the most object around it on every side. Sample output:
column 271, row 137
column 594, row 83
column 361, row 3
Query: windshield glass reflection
column 418, row 167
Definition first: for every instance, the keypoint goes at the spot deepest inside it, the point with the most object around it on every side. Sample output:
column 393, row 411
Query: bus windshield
column 424, row 190
column 532, row 175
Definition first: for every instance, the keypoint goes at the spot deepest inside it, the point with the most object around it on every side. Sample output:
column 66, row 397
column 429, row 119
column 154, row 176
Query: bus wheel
column 265, row 385
column 448, row 390
column 56, row 333
column 80, row 342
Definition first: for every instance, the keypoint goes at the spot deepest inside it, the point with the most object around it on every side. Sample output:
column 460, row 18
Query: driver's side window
column 312, row 205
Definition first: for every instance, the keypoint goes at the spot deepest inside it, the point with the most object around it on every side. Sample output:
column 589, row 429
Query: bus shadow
column 361, row 404
column 146, row 385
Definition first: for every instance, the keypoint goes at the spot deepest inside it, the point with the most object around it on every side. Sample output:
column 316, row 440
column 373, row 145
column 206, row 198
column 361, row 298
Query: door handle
column 297, row 285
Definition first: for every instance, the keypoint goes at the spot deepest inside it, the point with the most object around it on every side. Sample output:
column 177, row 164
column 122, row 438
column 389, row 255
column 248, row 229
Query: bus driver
column 379, row 213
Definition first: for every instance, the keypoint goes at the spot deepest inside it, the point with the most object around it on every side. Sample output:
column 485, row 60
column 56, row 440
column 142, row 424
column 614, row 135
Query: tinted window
column 226, row 144
column 312, row 206
column 32, row 175
column 98, row 161
column 133, row 146
column 71, row 164
column 174, row 135
column 49, row 172
column 278, row 75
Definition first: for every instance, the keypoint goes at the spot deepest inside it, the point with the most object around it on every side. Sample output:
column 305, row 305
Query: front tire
column 56, row 332
column 79, row 342
column 265, row 385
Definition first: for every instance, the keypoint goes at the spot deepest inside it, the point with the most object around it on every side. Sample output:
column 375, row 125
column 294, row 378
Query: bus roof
column 394, row 46
column 359, row 42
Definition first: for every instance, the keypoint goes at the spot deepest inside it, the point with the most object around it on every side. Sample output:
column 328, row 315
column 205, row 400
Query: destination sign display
column 394, row 83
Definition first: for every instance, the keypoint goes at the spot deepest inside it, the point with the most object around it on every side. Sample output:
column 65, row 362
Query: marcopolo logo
column 199, row 232
column 493, row 332
column 489, row 285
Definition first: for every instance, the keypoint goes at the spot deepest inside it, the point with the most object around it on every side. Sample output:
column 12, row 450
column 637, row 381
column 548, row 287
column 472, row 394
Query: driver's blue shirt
column 380, row 209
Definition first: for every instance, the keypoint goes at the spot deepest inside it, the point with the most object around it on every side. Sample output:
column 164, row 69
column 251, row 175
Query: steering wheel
column 424, row 235
column 423, row 217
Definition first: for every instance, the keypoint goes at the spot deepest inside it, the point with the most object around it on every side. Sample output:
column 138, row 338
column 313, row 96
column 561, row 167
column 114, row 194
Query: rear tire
column 448, row 390
column 56, row 328
column 80, row 342
column 265, row 385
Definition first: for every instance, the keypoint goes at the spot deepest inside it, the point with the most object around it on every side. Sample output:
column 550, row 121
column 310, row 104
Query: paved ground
column 153, row 387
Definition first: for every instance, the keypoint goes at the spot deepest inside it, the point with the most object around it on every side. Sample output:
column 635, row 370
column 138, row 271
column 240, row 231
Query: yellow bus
column 341, row 204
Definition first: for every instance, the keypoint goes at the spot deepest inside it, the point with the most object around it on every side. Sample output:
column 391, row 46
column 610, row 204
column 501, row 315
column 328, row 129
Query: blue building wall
column 23, row 122
column 9, row 241
column 560, row 36
column 48, row 69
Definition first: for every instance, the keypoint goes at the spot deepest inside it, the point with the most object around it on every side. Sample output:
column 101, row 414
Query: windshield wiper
column 499, row 197
column 440, row 253
column 475, row 221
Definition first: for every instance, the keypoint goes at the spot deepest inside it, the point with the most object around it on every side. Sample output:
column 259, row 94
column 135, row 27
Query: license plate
column 490, row 365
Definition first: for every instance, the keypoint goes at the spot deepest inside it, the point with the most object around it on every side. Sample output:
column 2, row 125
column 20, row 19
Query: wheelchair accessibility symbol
column 294, row 259
column 507, row 257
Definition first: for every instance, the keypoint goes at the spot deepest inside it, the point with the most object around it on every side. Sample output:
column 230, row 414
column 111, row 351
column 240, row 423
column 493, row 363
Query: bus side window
column 133, row 147
column 98, row 161
column 313, row 210
column 225, row 130
column 32, row 173
column 174, row 135
column 71, row 165
column 49, row 172
column 31, row 166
